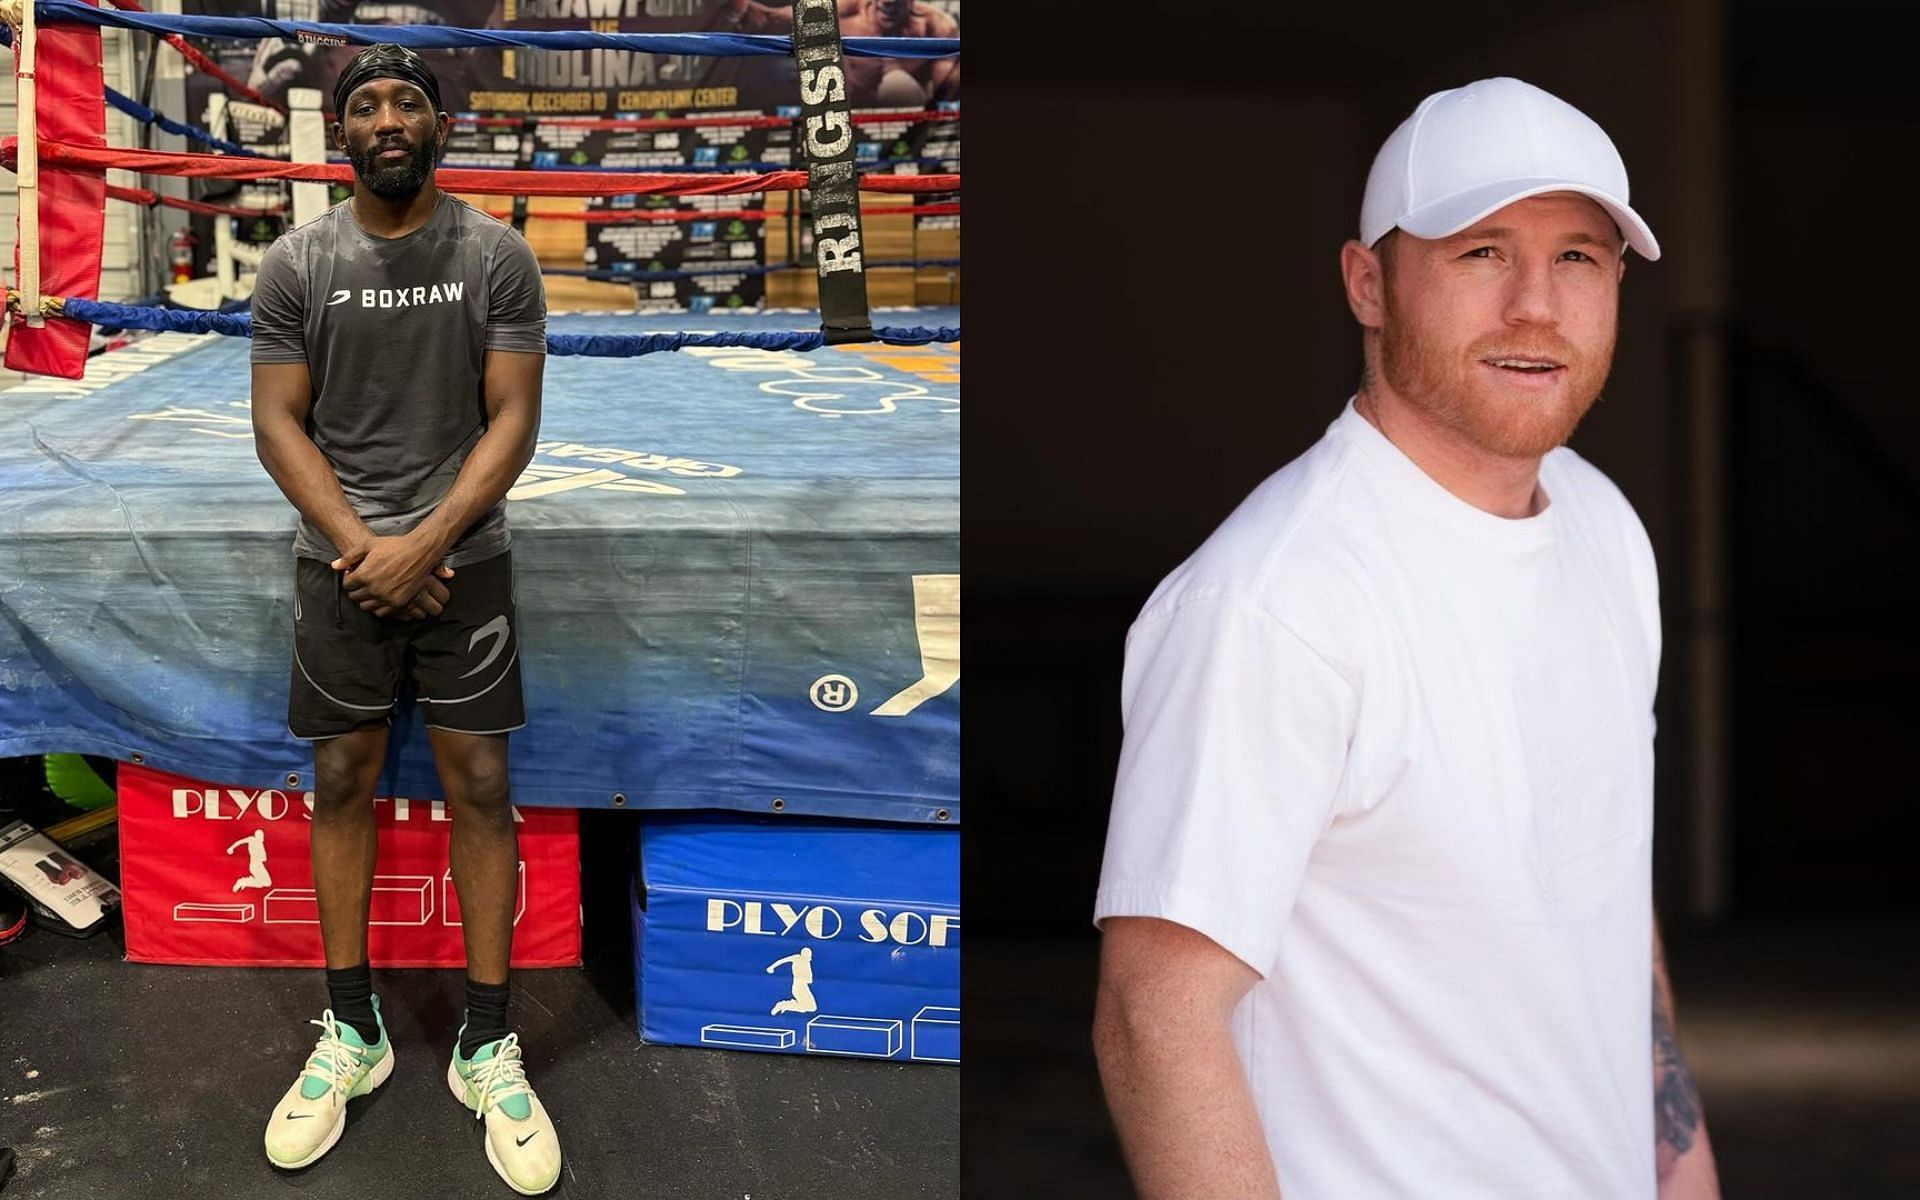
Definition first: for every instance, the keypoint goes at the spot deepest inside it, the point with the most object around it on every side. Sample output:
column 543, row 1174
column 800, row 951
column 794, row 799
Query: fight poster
column 220, row 876
column 692, row 264
column 589, row 83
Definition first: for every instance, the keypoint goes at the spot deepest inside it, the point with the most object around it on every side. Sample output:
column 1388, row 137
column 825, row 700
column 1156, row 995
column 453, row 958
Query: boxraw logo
column 413, row 297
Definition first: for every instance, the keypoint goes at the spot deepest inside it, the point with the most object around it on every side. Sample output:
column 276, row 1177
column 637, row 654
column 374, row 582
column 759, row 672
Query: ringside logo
column 537, row 480
column 540, row 479
column 833, row 391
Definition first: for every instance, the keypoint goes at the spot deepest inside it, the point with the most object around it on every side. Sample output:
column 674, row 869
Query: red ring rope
column 621, row 216
column 460, row 179
column 151, row 198
column 859, row 118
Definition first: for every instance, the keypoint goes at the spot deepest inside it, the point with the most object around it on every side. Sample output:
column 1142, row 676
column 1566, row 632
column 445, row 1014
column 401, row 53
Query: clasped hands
column 396, row 576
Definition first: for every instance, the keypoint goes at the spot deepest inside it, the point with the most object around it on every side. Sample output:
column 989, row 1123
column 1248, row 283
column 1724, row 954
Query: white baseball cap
column 1471, row 151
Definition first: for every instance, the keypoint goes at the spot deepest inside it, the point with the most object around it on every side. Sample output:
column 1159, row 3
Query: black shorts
column 348, row 665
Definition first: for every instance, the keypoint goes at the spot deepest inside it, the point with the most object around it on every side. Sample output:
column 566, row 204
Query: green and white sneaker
column 521, row 1143
column 309, row 1118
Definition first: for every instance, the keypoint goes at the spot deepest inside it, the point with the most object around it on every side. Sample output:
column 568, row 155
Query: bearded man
column 399, row 344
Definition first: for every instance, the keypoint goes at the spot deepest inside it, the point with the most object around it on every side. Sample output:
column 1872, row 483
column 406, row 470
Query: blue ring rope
column 147, row 116
column 630, row 345
column 590, row 345
column 610, row 275
column 447, row 37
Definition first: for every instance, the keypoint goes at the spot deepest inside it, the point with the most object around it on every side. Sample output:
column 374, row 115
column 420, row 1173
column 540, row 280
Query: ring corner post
column 60, row 79
column 833, row 174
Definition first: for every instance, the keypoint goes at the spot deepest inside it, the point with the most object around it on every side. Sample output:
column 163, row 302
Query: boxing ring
column 736, row 572
column 737, row 564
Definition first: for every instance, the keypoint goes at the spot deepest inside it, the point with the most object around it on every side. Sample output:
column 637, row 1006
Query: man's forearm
column 1182, row 1107
column 307, row 480
column 1682, row 1155
column 496, row 460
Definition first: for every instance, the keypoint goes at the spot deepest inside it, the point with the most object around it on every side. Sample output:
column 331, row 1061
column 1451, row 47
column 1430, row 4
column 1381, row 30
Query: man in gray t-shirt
column 398, row 348
column 393, row 332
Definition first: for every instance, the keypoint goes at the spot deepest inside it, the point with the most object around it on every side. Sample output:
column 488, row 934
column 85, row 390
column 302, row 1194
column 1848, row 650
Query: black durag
column 384, row 60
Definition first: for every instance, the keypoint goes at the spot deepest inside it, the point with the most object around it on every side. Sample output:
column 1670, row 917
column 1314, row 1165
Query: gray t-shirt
column 393, row 331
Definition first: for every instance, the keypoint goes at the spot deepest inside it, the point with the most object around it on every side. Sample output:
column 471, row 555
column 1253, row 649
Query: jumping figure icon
column 256, row 876
column 802, row 1000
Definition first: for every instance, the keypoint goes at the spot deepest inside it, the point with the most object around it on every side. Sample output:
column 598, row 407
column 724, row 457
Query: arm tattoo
column 1676, row 1104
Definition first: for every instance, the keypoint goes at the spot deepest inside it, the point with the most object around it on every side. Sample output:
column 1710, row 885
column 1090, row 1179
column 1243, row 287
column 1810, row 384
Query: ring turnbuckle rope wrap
column 50, row 306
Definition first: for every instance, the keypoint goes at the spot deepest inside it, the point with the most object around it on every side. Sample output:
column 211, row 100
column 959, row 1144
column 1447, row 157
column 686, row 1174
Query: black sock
column 486, row 1016
column 350, row 995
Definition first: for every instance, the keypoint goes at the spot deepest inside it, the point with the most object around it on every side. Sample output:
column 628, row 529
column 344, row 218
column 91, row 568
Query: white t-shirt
column 1396, row 754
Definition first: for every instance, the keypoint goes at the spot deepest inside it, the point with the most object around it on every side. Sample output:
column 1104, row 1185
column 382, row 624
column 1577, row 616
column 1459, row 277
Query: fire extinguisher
column 180, row 254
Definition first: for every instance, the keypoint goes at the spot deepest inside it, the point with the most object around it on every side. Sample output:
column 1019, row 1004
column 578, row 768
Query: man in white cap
column 1377, row 900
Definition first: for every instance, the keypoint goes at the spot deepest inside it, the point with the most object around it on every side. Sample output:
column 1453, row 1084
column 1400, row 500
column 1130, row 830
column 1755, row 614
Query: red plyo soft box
column 220, row 876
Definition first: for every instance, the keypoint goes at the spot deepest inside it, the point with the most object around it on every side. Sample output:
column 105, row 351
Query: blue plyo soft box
column 838, row 939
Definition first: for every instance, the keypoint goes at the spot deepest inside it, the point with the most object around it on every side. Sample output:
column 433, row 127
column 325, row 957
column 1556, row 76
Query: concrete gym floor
column 125, row 1080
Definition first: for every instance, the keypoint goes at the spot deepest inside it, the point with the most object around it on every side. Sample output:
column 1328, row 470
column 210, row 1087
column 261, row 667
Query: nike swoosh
column 523, row 1141
column 298, row 1116
column 495, row 629
column 339, row 297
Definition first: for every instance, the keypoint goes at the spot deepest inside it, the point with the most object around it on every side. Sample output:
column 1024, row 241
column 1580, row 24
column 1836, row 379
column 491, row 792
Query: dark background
column 1159, row 198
